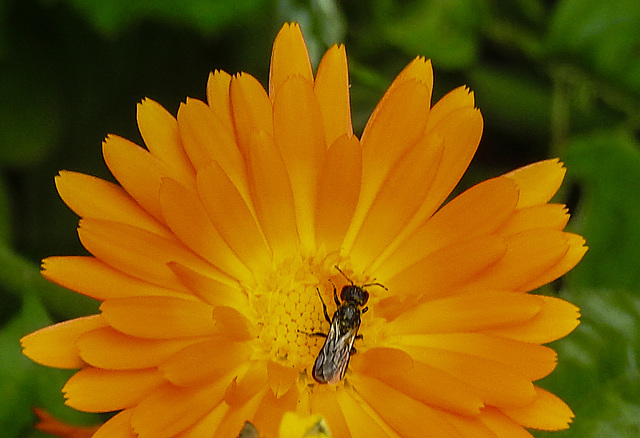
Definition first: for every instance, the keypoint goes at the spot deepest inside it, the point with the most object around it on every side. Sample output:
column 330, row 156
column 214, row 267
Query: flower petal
column 96, row 390
column 547, row 412
column 332, row 91
column 268, row 416
column 532, row 360
column 55, row 346
column 218, row 97
column 207, row 425
column 91, row 197
column 251, row 110
column 556, row 319
column 159, row 131
column 205, row 361
column 91, row 277
column 419, row 381
column 207, row 139
column 554, row 216
column 188, row 219
column 338, row 190
column 139, row 172
column 397, row 124
column 109, row 349
column 139, row 253
column 529, row 255
column 117, row 426
column 476, row 212
column 272, row 195
column 471, row 311
column 299, row 135
column 503, row 426
column 455, row 265
column 538, row 182
column 495, row 383
column 289, row 58
column 233, row 218
column 362, row 421
column 159, row 317
column 324, row 403
column 280, row 377
column 407, row 417
column 399, row 198
column 171, row 409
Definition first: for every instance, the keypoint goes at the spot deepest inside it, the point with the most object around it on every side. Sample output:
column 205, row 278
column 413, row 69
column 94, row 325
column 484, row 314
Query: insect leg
column 324, row 306
column 335, row 295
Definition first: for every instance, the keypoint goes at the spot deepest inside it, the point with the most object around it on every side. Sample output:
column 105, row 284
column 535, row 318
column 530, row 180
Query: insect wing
column 331, row 363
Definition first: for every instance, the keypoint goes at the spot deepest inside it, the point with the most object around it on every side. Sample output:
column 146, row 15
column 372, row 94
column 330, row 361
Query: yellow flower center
column 289, row 311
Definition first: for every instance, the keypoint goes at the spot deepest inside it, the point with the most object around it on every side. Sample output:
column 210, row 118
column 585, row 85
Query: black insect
column 333, row 359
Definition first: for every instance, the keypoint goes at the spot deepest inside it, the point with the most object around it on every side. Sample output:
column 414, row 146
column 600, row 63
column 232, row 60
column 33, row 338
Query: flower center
column 289, row 310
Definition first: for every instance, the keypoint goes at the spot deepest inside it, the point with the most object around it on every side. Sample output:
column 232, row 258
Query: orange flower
column 210, row 255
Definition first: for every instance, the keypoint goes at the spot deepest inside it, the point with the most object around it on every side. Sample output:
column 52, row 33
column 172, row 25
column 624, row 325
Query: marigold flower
column 209, row 256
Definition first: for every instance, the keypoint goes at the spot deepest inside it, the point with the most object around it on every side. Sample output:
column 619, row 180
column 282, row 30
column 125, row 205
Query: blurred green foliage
column 552, row 78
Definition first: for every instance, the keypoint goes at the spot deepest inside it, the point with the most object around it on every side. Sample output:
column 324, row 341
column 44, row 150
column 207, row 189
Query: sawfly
column 332, row 361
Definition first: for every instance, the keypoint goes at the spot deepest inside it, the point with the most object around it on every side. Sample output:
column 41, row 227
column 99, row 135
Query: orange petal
column 495, row 383
column 299, row 135
column 419, row 381
column 460, row 131
column 211, row 290
column 529, row 255
column 159, row 317
column 455, row 99
column 501, row 425
column 397, row 124
column 399, row 198
column 471, row 311
column 289, row 58
column 236, row 416
column 159, row 131
column 244, row 387
column 571, row 258
column 538, row 182
column 95, row 390
column 207, row 139
column 554, row 216
column 280, row 377
column 49, row 424
column 218, row 97
column 272, row 195
column 171, row 409
column 361, row 420
column 324, row 403
column 139, row 253
column 232, row 217
column 419, row 70
column 547, row 412
column 332, row 91
column 407, row 417
column 269, row 414
column 467, row 426
column 251, row 109
column 111, row 350
column 533, row 360
column 118, row 426
column 478, row 211
column 338, row 190
column 205, row 361
column 55, row 346
column 556, row 319
column 91, row 197
column 207, row 425
column 188, row 219
column 139, row 172
column 448, row 267
column 91, row 277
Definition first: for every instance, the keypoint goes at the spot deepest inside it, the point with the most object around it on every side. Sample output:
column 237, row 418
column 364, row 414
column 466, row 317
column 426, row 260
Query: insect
column 332, row 361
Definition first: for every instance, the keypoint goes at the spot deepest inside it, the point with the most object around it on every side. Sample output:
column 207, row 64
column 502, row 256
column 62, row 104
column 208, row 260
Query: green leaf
column 445, row 31
column 207, row 16
column 598, row 373
column 605, row 166
column 602, row 34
